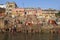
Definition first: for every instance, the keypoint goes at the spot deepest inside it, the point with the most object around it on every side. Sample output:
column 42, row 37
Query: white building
column 2, row 6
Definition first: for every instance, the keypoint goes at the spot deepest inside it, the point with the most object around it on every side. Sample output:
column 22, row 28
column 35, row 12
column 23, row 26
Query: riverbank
column 42, row 30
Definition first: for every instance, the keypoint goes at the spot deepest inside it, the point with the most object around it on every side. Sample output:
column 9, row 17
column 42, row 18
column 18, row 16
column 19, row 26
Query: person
column 14, row 29
column 7, row 29
column 6, row 22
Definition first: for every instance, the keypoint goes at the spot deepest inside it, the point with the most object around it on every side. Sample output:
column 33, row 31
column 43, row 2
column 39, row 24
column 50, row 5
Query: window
column 7, row 12
column 25, row 13
column 10, row 5
column 6, row 22
column 16, row 11
column 9, row 9
column 19, row 11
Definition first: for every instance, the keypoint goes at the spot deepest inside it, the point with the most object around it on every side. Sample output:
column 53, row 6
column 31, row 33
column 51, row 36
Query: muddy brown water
column 29, row 36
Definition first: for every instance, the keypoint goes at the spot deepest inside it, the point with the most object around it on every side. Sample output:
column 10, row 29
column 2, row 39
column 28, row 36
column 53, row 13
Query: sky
column 44, row 4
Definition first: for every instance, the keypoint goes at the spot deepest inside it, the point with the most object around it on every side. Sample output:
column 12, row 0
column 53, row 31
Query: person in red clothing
column 52, row 22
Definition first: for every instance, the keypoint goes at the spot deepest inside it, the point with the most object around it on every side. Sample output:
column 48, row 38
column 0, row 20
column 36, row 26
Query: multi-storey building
column 33, row 11
column 2, row 14
column 10, row 6
column 49, row 13
column 2, row 6
column 18, row 12
column 30, row 11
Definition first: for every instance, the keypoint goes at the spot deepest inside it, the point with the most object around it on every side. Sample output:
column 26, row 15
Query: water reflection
column 29, row 36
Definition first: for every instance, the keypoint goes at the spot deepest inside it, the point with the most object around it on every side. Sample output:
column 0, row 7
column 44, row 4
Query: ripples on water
column 29, row 36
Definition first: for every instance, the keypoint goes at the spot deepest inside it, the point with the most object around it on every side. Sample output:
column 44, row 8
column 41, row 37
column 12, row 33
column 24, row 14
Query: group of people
column 16, row 22
column 8, row 29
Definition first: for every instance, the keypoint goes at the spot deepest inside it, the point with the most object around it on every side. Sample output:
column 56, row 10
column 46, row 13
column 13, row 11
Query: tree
column 58, row 14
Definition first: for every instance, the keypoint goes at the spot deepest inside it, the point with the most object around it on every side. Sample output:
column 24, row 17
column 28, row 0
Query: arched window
column 25, row 13
column 6, row 22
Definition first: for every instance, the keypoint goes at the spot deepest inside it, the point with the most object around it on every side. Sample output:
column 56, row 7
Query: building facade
column 2, row 12
column 10, row 6
column 49, row 13
column 2, row 6
column 18, row 12
column 2, row 15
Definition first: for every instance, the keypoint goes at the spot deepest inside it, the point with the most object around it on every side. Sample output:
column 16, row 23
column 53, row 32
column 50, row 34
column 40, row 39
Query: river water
column 29, row 36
